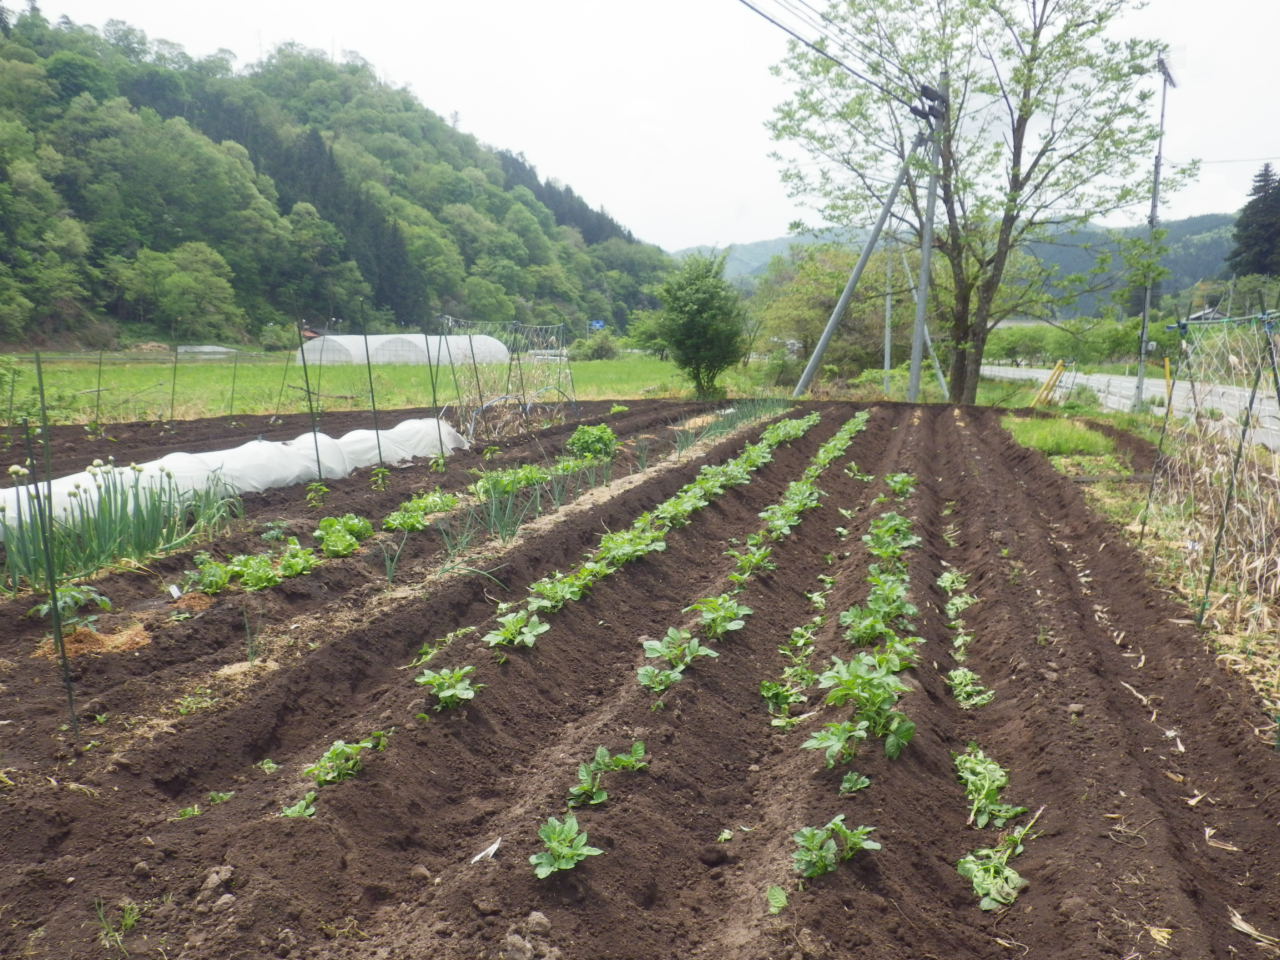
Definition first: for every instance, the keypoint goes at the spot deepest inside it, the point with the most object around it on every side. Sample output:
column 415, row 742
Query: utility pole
column 1152, row 222
column 937, row 114
column 888, row 320
column 843, row 304
column 935, row 110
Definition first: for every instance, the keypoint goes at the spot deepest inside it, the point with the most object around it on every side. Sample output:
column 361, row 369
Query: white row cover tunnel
column 405, row 348
column 254, row 466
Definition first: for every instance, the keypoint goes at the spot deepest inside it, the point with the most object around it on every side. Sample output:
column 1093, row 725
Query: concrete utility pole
column 1152, row 222
column 843, row 304
column 938, row 113
column 888, row 321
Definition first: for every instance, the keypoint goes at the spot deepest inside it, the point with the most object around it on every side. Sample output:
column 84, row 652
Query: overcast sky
column 655, row 110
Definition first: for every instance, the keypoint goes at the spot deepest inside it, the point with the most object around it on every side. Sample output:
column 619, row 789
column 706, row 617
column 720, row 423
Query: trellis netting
column 255, row 466
column 1219, row 483
column 409, row 348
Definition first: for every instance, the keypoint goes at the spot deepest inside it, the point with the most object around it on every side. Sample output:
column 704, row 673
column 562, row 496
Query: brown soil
column 1160, row 804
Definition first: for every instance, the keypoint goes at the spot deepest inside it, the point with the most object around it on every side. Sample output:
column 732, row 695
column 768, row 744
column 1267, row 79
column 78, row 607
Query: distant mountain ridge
column 1197, row 250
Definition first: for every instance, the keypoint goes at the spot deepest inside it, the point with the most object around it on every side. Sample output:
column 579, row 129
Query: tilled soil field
column 1159, row 806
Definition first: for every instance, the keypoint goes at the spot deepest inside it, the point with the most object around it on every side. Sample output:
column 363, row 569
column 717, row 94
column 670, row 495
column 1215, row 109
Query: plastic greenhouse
column 405, row 348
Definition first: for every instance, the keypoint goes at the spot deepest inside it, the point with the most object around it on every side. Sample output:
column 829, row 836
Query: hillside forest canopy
column 145, row 194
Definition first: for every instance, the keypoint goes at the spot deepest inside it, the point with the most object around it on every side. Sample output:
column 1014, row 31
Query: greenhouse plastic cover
column 404, row 348
column 264, row 464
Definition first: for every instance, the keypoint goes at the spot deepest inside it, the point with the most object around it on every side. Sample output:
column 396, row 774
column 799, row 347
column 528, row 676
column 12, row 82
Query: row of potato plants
column 521, row 626
column 721, row 614
column 995, row 883
column 868, row 682
column 966, row 686
column 564, row 842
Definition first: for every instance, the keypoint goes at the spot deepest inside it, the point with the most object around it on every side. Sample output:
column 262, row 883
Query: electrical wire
column 823, row 53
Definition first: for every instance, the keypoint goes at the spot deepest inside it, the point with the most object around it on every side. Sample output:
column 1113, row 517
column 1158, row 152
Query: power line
column 1242, row 160
column 823, row 53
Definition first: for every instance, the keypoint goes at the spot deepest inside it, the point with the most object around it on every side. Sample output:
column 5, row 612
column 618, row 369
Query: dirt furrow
column 1089, row 727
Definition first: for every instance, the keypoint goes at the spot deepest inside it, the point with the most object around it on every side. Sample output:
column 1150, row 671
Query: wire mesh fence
column 1218, row 485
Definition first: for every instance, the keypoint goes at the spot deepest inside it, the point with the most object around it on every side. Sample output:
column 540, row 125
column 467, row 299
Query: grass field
column 127, row 387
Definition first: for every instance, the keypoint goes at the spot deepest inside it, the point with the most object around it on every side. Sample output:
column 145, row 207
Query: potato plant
column 983, row 781
column 817, row 852
column 995, row 882
column 451, row 688
column 588, row 789
column 342, row 760
column 967, row 688
column 565, row 847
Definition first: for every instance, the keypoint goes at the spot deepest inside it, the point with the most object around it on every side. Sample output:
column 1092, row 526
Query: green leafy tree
column 702, row 322
column 1049, row 128
column 1257, row 233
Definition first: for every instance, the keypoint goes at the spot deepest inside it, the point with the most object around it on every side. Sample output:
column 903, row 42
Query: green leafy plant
column 517, row 629
column 197, row 700
column 598, row 442
column 588, row 789
column 256, row 571
column 839, row 740
column 186, row 813
column 720, row 614
column 217, row 796
column 379, row 478
column 267, row 765
column 901, row 484
column 984, row 780
column 817, row 852
column 415, row 514
column 341, row 536
column 275, row 531
column 776, row 898
column 658, row 680
column 967, row 688
column 210, row 576
column 750, row 562
column 952, row 581
column 618, row 408
column 679, row 648
column 317, row 493
column 566, row 847
column 958, row 604
column 994, row 881
column 780, row 697
column 306, row 807
column 870, row 684
column 296, row 559
column 451, row 688
column 852, row 782
column 342, row 760
column 432, row 647
column 73, row 597
column 889, row 535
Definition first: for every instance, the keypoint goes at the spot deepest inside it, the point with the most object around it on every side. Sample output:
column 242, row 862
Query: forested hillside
column 1196, row 249
column 147, row 194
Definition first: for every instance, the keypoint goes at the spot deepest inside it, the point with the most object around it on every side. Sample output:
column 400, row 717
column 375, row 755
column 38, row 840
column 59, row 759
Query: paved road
column 1116, row 393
